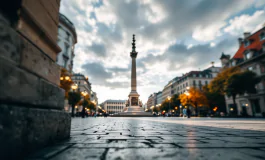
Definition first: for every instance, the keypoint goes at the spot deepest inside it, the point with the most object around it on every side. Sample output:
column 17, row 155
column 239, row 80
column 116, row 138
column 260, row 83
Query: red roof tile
column 255, row 44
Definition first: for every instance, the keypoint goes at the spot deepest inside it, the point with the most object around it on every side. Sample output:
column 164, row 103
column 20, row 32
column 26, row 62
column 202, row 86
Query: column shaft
column 133, row 76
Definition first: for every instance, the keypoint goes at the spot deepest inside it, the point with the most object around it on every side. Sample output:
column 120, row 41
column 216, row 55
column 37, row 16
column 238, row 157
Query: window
column 65, row 63
column 256, row 105
column 262, row 36
column 250, row 68
column 234, row 63
column 206, row 82
column 68, row 36
column 246, row 43
column 200, row 75
column 248, row 55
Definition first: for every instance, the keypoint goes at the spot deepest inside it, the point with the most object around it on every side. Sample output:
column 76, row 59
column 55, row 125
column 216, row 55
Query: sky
column 173, row 37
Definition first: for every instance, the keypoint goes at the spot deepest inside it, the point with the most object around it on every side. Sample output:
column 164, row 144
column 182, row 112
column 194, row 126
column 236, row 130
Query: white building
column 159, row 98
column 94, row 98
column 114, row 106
column 66, row 40
column 83, row 83
column 196, row 79
column 85, row 86
column 167, row 91
column 249, row 56
column 151, row 102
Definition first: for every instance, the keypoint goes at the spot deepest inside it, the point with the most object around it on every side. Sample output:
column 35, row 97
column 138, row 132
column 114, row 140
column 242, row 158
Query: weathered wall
column 24, row 130
column 39, row 23
column 31, row 102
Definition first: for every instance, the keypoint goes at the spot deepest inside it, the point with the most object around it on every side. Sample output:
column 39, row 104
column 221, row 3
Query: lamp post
column 168, row 98
column 180, row 109
column 74, row 87
column 84, row 93
column 187, row 94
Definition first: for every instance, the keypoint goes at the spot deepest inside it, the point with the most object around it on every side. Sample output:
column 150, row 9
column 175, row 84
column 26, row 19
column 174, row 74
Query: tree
column 195, row 98
column 165, row 105
column 170, row 104
column 156, row 109
column 215, row 99
column 65, row 81
column 217, row 85
column 73, row 99
column 175, row 101
column 91, row 106
column 240, row 83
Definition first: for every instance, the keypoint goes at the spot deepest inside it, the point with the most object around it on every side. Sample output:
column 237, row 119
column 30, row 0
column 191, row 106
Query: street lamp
column 74, row 87
column 180, row 109
column 84, row 93
column 168, row 98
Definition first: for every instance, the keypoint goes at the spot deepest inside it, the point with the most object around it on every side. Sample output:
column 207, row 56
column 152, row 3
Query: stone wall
column 24, row 129
column 39, row 23
column 31, row 103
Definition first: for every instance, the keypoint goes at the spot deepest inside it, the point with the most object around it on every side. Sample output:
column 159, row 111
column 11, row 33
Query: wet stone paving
column 160, row 138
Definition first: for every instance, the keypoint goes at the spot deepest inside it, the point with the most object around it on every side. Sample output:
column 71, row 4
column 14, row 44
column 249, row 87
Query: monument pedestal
column 134, row 111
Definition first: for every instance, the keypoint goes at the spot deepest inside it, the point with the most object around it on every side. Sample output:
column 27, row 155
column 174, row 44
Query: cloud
column 98, row 49
column 245, row 23
column 208, row 33
column 97, row 72
column 172, row 38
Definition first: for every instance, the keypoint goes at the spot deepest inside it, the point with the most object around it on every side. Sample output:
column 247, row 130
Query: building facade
column 159, row 97
column 196, row 79
column 83, row 85
column 249, row 56
column 94, row 98
column 114, row 106
column 167, row 91
column 151, row 102
column 66, row 40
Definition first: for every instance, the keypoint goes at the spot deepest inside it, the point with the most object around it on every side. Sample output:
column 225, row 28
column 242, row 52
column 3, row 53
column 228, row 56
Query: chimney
column 240, row 41
column 212, row 64
column 246, row 34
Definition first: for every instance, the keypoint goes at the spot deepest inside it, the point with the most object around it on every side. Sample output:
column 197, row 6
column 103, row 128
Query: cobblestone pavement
column 160, row 138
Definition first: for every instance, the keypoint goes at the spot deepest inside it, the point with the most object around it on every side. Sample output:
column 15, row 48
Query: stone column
column 133, row 76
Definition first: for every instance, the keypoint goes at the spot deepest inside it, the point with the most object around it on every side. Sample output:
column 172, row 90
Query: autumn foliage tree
column 232, row 82
column 195, row 98
column 65, row 81
column 218, row 83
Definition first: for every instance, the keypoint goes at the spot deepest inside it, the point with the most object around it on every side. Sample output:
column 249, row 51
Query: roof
column 224, row 56
column 255, row 44
column 63, row 19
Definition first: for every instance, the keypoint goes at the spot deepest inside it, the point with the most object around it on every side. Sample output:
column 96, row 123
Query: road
column 160, row 138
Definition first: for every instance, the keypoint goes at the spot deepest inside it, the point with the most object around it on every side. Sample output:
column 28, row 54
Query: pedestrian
column 184, row 112
column 95, row 115
column 188, row 112
column 83, row 112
